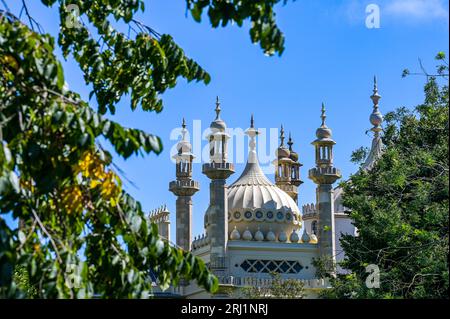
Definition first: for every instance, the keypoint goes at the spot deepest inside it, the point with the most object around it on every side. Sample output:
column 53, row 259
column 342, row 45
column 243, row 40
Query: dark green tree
column 401, row 206
column 79, row 232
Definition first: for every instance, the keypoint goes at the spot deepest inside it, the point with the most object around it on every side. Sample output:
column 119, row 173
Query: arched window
column 314, row 228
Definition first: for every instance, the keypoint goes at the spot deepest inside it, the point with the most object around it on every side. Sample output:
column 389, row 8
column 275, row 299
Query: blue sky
column 330, row 57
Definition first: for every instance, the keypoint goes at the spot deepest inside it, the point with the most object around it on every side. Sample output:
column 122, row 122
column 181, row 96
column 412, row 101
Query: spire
column 183, row 130
column 217, row 108
column 375, row 96
column 282, row 136
column 252, row 132
column 376, row 118
column 290, row 142
column 323, row 116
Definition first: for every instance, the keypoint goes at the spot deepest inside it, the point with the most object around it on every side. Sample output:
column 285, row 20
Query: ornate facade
column 254, row 226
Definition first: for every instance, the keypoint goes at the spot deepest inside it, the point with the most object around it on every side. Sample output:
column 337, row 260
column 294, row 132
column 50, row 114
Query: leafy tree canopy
column 80, row 233
column 401, row 206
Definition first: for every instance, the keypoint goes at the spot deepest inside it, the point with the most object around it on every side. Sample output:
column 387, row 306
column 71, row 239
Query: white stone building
column 253, row 226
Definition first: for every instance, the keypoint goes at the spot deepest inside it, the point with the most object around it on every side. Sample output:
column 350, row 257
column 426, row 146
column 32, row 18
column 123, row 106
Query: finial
column 323, row 116
column 375, row 96
column 252, row 133
column 290, row 142
column 217, row 108
column 183, row 130
column 282, row 135
column 376, row 118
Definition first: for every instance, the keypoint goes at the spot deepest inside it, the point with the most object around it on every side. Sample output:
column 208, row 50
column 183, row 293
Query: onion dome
column 305, row 237
column 294, row 238
column 255, row 202
column 282, row 237
column 270, row 236
column 282, row 151
column 235, row 234
column 323, row 132
column 247, row 235
column 218, row 123
column 259, row 236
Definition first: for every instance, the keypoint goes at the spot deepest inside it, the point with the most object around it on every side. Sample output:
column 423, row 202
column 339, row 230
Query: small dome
column 247, row 235
column 282, row 237
column 313, row 239
column 219, row 125
column 323, row 132
column 294, row 238
column 270, row 236
column 294, row 156
column 235, row 235
column 283, row 152
column 184, row 147
column 259, row 236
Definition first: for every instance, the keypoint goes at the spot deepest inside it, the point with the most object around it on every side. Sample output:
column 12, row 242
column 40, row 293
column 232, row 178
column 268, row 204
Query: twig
column 6, row 6
column 36, row 217
column 28, row 237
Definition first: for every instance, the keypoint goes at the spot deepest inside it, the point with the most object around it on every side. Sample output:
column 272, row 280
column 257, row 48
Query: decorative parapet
column 267, row 282
column 218, row 170
column 309, row 211
column 184, row 187
column 324, row 175
column 159, row 215
column 200, row 241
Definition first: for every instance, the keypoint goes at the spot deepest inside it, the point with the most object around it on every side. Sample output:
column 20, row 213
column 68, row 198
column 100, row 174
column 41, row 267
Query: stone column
column 184, row 222
column 217, row 217
column 326, row 230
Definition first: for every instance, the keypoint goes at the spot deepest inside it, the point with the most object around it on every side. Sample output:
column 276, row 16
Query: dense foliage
column 79, row 233
column 401, row 206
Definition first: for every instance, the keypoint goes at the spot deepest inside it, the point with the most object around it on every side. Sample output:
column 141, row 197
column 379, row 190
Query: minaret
column 184, row 187
column 295, row 169
column 283, row 168
column 376, row 119
column 218, row 170
column 324, row 175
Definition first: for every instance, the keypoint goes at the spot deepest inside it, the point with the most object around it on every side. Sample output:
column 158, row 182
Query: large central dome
column 257, row 205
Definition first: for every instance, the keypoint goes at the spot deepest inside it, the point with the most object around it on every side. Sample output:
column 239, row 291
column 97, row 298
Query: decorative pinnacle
column 376, row 118
column 290, row 142
column 282, row 135
column 323, row 116
column 218, row 109
column 183, row 130
column 252, row 133
column 375, row 96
